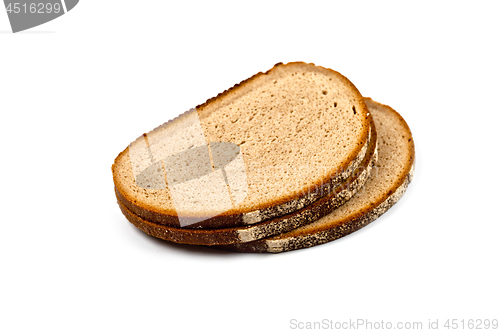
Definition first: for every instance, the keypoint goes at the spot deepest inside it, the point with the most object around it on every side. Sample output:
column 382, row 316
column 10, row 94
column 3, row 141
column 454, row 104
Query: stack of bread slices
column 287, row 159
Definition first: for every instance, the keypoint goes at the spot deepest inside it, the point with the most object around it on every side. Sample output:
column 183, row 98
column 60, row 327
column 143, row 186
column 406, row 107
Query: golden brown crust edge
column 265, row 210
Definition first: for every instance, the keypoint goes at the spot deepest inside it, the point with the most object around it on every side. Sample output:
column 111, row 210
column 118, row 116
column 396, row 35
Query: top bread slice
column 388, row 182
column 271, row 142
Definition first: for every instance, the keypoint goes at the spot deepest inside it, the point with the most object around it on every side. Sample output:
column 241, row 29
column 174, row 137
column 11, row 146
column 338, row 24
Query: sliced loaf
column 387, row 183
column 294, row 129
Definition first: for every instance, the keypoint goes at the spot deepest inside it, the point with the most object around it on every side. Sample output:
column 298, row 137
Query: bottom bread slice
column 386, row 185
column 322, row 207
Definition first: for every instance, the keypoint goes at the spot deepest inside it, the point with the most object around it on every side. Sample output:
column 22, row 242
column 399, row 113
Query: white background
column 76, row 91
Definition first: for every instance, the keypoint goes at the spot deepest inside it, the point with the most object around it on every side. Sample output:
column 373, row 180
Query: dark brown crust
column 321, row 236
column 350, row 224
column 220, row 221
column 229, row 219
column 275, row 226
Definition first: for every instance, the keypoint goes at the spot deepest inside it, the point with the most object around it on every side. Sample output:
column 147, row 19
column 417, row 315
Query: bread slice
column 287, row 133
column 387, row 184
column 323, row 206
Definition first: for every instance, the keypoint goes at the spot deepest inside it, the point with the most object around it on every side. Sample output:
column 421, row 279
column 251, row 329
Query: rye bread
column 323, row 206
column 388, row 182
column 297, row 127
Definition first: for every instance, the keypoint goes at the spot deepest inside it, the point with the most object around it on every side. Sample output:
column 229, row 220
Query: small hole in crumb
column 335, row 104
column 325, row 92
column 354, row 109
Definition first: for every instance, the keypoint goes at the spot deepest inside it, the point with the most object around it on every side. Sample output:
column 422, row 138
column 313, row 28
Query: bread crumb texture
column 388, row 181
column 395, row 155
column 297, row 126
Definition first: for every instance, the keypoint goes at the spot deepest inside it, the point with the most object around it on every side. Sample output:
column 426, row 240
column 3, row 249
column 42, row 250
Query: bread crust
column 347, row 225
column 266, row 210
column 282, row 224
